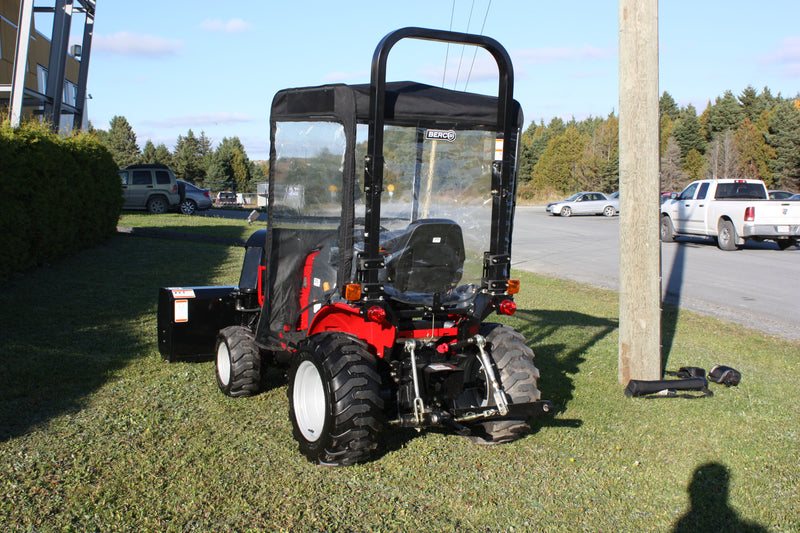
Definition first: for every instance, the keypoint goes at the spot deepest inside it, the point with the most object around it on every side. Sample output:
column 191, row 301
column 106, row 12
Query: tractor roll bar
column 503, row 188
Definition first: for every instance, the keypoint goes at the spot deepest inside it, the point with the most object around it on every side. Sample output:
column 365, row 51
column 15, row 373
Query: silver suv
column 152, row 187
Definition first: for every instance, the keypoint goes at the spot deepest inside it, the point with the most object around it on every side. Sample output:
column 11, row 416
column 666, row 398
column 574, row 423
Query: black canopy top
column 407, row 103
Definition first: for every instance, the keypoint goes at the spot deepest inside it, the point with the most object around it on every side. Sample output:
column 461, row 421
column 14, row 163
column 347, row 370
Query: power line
column 475, row 53
column 447, row 52
column 458, row 72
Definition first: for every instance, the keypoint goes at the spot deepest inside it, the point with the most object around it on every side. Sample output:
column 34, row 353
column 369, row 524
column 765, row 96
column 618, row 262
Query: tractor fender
column 344, row 318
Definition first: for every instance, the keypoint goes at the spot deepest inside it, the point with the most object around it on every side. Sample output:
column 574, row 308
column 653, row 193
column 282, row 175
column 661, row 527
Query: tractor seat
column 426, row 258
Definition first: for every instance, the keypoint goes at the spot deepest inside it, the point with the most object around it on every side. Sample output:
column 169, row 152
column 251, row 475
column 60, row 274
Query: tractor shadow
column 558, row 363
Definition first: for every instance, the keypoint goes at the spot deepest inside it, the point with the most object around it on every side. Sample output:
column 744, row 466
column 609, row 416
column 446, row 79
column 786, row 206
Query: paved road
column 758, row 286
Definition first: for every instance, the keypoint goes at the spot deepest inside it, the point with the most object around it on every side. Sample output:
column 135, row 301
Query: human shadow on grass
column 71, row 326
column 709, row 509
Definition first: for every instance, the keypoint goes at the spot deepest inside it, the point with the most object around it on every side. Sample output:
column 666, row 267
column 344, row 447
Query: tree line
column 754, row 135
column 193, row 159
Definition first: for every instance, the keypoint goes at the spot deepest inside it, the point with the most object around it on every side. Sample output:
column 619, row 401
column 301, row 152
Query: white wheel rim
column 309, row 401
column 223, row 364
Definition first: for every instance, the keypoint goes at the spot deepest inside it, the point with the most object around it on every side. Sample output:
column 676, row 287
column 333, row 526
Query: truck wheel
column 726, row 238
column 238, row 366
column 334, row 400
column 516, row 373
column 566, row 211
column 157, row 205
column 667, row 230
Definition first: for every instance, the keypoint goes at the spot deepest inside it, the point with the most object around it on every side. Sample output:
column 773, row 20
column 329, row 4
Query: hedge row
column 57, row 195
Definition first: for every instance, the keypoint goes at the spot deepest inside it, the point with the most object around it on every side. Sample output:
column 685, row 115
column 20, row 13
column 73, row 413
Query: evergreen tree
column 148, row 153
column 163, row 155
column 121, row 142
column 755, row 153
column 784, row 137
column 187, row 159
column 726, row 114
column 752, row 105
column 558, row 165
column 533, row 143
column 672, row 176
column 230, row 164
column 689, row 133
column 667, row 125
column 599, row 166
column 695, row 165
column 668, row 107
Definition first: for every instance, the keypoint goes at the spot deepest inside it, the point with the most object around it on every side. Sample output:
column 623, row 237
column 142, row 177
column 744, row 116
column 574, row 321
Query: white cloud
column 231, row 26
column 203, row 119
column 132, row 44
column 787, row 56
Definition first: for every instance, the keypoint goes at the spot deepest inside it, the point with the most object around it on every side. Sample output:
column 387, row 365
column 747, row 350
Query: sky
column 172, row 65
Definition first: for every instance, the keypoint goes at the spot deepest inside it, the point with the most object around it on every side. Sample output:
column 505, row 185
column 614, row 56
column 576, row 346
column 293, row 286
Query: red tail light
column 750, row 214
column 205, row 193
column 377, row 314
column 507, row 307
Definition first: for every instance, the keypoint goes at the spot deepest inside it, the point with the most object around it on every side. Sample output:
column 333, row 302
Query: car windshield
column 573, row 197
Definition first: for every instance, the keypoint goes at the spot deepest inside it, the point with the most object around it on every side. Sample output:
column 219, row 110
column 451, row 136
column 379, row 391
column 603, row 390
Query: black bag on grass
column 725, row 375
column 667, row 387
column 686, row 372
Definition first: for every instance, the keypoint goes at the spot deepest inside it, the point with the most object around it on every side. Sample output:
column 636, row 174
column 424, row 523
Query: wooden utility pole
column 639, row 239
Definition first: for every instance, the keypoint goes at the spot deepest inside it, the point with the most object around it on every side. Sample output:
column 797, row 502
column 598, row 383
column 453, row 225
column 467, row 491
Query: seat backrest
column 428, row 258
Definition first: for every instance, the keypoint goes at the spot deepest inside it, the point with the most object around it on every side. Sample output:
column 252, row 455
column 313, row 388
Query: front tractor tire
column 517, row 374
column 334, row 400
column 238, row 364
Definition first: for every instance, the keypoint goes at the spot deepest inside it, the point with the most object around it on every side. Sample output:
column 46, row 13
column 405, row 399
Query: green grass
column 98, row 433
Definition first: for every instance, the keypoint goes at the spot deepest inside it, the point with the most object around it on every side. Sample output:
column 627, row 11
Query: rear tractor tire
column 334, row 400
column 238, row 365
column 517, row 374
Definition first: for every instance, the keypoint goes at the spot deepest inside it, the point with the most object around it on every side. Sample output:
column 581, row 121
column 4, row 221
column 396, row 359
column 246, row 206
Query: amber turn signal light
column 513, row 286
column 352, row 292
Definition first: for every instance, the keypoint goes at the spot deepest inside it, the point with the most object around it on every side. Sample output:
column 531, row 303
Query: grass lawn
column 98, row 433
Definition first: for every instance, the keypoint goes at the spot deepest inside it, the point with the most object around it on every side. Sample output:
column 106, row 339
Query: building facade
column 41, row 100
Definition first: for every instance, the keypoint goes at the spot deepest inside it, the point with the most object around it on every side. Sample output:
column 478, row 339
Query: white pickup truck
column 731, row 211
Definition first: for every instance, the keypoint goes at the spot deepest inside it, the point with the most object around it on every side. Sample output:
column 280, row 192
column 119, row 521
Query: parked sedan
column 779, row 195
column 585, row 203
column 194, row 198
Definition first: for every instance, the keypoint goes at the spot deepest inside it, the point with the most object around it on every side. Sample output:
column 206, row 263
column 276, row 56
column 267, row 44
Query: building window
column 41, row 79
column 70, row 93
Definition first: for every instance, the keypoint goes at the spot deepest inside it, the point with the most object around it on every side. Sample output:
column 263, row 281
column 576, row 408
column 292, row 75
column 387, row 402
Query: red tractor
column 387, row 246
